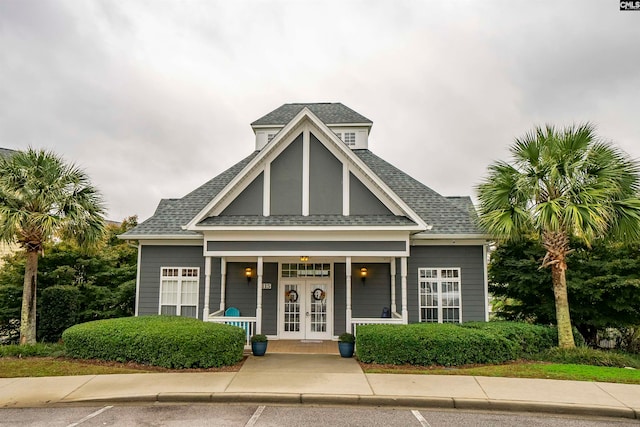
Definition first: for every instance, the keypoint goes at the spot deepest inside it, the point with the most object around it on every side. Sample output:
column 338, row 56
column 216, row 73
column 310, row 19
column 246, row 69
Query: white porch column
column 394, row 307
column 485, row 258
column 207, row 287
column 348, row 284
column 403, row 273
column 223, row 282
column 259, row 300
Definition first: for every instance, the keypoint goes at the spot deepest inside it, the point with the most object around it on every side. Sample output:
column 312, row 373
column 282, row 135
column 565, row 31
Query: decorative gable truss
column 307, row 178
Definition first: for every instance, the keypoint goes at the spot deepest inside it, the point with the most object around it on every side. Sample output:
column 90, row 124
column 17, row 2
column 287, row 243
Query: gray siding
column 467, row 258
column 249, row 202
column 369, row 298
column 302, row 246
column 270, row 300
column 152, row 259
column 325, row 180
column 339, row 298
column 362, row 201
column 286, row 180
column 243, row 295
column 214, row 293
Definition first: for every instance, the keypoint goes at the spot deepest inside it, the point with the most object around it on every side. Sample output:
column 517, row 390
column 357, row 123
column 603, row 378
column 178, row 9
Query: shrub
column 530, row 338
column 167, row 341
column 32, row 350
column 347, row 338
column 59, row 310
column 431, row 344
column 587, row 356
column 259, row 338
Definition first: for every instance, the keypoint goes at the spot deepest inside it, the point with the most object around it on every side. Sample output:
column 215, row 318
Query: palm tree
column 562, row 184
column 42, row 198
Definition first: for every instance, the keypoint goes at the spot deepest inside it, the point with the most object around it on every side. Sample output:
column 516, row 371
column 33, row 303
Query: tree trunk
column 28, row 315
column 565, row 333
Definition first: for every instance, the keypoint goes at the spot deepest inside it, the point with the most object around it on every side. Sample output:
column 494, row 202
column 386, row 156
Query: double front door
column 305, row 309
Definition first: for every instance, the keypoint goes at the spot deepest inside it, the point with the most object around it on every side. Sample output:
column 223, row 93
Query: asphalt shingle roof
column 329, row 113
column 6, row 152
column 172, row 214
column 311, row 220
column 446, row 215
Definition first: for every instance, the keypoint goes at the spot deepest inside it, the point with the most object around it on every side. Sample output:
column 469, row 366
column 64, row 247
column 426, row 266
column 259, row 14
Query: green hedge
column 167, row 341
column 432, row 344
column 59, row 308
column 529, row 338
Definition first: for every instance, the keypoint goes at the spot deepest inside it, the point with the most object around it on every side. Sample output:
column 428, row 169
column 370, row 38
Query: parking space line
column 88, row 417
column 420, row 418
column 254, row 418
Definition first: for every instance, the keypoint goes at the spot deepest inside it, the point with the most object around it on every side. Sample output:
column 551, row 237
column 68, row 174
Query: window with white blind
column 439, row 293
column 179, row 291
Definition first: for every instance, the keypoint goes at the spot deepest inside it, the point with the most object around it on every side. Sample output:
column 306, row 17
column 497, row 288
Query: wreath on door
column 318, row 294
column 291, row 296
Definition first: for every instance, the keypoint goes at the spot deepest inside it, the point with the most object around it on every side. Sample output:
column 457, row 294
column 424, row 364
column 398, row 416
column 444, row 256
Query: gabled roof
column 446, row 215
column 307, row 117
column 329, row 113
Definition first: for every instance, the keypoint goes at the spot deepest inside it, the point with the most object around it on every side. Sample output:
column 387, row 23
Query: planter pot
column 259, row 348
column 346, row 349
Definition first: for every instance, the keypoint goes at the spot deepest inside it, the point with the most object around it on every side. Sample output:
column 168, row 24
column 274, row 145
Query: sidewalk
column 328, row 379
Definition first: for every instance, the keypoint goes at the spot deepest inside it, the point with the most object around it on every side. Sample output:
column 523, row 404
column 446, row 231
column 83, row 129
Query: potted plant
column 346, row 344
column 259, row 344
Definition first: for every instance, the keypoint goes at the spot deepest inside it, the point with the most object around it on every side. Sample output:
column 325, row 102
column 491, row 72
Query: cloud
column 154, row 98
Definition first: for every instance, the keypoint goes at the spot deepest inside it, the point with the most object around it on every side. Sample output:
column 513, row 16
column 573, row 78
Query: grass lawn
column 521, row 370
column 11, row 367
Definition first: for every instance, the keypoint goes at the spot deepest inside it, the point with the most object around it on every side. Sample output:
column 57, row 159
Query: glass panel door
column 317, row 294
column 292, row 307
column 305, row 309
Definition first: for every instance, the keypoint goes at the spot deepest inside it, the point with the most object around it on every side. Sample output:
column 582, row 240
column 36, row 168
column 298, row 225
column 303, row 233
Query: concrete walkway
column 328, row 379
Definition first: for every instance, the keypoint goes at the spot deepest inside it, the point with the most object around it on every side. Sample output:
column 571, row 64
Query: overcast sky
column 153, row 98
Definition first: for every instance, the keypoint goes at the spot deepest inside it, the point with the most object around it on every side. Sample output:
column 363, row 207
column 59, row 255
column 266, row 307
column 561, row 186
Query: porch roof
column 310, row 220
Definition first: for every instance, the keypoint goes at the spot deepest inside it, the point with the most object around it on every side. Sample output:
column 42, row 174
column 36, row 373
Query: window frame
column 350, row 140
column 180, row 278
column 439, row 280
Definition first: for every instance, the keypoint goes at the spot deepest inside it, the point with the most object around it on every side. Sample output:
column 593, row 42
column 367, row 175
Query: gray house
column 310, row 235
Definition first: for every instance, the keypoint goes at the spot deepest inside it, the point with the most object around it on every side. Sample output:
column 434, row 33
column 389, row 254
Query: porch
column 302, row 347
column 308, row 346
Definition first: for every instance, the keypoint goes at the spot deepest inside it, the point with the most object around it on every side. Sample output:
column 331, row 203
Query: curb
column 374, row 400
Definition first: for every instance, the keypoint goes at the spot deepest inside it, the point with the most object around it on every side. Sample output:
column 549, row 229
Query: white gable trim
column 278, row 144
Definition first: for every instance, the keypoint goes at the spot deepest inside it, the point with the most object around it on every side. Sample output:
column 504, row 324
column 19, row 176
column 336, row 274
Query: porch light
column 363, row 274
column 304, row 258
column 247, row 273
